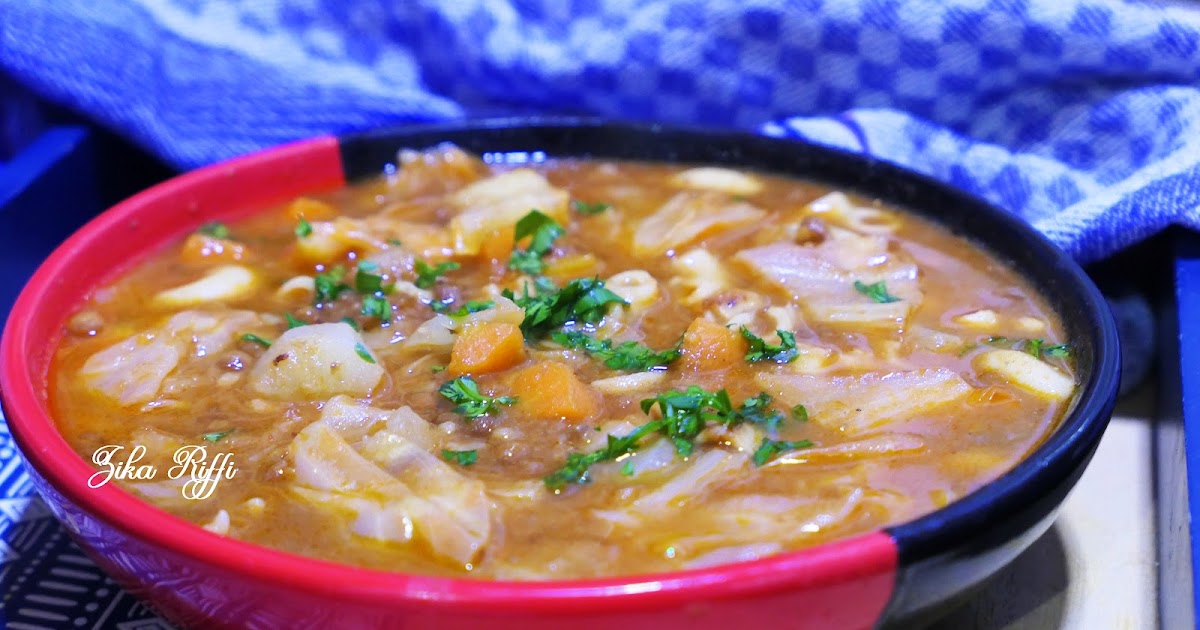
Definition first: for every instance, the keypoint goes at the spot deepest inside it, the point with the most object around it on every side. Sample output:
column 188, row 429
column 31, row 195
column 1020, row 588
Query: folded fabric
column 1080, row 115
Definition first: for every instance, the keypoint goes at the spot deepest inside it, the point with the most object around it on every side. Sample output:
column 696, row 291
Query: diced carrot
column 710, row 346
column 311, row 210
column 487, row 347
column 551, row 390
column 499, row 245
column 572, row 266
column 201, row 248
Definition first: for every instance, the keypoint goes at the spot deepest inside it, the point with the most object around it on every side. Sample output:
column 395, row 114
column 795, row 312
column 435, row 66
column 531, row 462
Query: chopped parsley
column 627, row 469
column 584, row 300
column 294, row 322
column 252, row 338
column 367, row 281
column 760, row 350
column 215, row 229
column 770, row 448
column 441, row 306
column 576, row 469
column 427, row 276
column 800, row 413
column 629, row 356
column 216, row 436
column 438, row 368
column 584, row 207
column 543, row 232
column 394, row 242
column 462, row 458
column 684, row 415
column 378, row 307
column 464, row 392
column 303, row 228
column 329, row 285
column 876, row 291
column 472, row 306
column 1035, row 347
column 363, row 353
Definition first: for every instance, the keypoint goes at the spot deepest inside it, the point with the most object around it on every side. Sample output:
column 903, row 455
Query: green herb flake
column 252, row 338
column 684, row 414
column 215, row 229
column 464, row 392
column 329, row 285
column 462, row 458
column 438, row 368
column 543, row 231
column 629, row 356
column 303, row 228
column 428, row 276
column 349, row 321
column 293, row 322
column 760, row 350
column 584, row 301
column 395, row 242
column 216, row 436
column 769, row 448
column 363, row 353
column 472, row 306
column 1037, row 348
column 800, row 413
column 627, row 468
column 367, row 281
column 876, row 291
column 378, row 307
column 584, row 207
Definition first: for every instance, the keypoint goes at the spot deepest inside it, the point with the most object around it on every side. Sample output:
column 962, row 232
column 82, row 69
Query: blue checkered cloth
column 1080, row 115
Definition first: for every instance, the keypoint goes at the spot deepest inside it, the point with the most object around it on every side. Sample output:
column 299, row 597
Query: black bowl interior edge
column 1023, row 499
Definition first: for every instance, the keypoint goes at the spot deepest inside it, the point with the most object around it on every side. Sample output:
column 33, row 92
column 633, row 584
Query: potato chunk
column 1026, row 372
column 316, row 362
column 225, row 283
column 498, row 202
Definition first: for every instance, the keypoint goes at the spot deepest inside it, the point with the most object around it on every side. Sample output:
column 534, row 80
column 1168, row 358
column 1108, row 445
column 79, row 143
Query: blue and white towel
column 1079, row 114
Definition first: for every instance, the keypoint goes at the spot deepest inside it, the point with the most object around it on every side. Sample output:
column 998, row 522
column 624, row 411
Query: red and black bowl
column 897, row 576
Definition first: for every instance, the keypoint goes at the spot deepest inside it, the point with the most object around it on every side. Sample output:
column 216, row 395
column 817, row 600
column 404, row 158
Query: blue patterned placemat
column 47, row 581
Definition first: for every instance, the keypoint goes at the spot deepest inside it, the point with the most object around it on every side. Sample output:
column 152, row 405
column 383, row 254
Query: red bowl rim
column 48, row 454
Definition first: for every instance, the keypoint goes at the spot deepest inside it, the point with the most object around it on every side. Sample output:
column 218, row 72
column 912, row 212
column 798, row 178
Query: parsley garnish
column 799, row 413
column 472, row 306
column 215, row 229
column 630, row 356
column 216, row 436
column 684, row 415
column 584, row 207
column 584, row 300
column 760, row 350
column 876, row 291
column 378, row 307
column 770, row 448
column 427, row 276
column 1035, row 347
column 293, row 322
column 464, row 392
column 462, row 458
column 366, row 281
column 576, row 468
column 438, row 368
column 329, row 285
column 363, row 353
column 544, row 231
column 628, row 469
column 303, row 228
column 252, row 338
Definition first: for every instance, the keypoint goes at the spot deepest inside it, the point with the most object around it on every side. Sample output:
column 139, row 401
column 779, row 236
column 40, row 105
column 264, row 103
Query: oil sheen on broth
column 663, row 367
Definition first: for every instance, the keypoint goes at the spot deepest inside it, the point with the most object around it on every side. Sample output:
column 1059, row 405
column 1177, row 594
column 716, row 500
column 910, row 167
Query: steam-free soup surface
column 571, row 369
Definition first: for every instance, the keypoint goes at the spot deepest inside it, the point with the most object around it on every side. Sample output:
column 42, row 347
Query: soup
column 572, row 369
